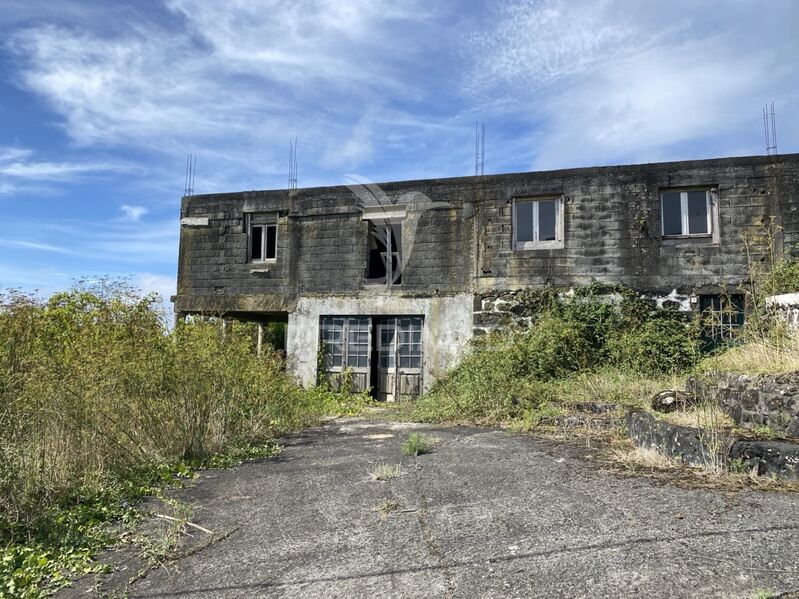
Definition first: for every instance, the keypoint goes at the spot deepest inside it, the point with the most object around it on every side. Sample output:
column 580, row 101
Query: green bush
column 783, row 278
column 96, row 393
column 552, row 348
column 511, row 373
column 655, row 346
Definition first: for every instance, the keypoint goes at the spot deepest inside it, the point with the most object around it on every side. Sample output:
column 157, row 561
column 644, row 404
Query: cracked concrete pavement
column 486, row 514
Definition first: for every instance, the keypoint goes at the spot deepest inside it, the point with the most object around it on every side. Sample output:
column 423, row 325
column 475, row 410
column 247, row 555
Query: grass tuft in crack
column 389, row 506
column 383, row 471
column 416, row 444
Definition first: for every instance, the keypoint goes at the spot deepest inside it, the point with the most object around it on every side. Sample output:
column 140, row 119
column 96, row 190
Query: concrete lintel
column 194, row 221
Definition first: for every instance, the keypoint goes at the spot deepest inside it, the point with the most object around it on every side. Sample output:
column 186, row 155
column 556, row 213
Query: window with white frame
column 686, row 213
column 538, row 223
column 262, row 238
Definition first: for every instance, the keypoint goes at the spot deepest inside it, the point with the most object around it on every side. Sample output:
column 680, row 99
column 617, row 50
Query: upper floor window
column 262, row 238
column 686, row 213
column 384, row 262
column 538, row 224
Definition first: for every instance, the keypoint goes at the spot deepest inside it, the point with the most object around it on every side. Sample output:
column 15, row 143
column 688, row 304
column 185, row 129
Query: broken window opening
column 686, row 213
column 263, row 242
column 384, row 262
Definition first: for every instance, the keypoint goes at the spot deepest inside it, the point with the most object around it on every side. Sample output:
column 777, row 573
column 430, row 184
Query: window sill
column 676, row 240
column 538, row 245
column 369, row 285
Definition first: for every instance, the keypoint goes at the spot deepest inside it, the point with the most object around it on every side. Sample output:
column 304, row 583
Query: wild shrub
column 96, row 392
column 552, row 348
column 664, row 342
column 596, row 329
column 782, row 278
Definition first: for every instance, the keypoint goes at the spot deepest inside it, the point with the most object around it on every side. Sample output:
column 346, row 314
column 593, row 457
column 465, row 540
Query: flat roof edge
column 721, row 161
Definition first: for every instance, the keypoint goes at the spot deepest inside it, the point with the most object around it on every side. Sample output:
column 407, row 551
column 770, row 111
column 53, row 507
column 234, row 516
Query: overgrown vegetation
column 599, row 343
column 99, row 402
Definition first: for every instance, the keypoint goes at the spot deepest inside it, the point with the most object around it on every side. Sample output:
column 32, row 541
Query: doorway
column 382, row 354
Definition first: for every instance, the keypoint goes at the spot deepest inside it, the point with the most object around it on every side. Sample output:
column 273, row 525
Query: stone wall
column 498, row 309
column 753, row 401
column 785, row 308
column 457, row 238
column 719, row 449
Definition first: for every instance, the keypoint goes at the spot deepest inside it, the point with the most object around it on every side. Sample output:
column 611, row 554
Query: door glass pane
column 697, row 212
column 410, row 339
column 386, row 348
column 672, row 213
column 358, row 342
column 524, row 221
column 547, row 211
column 332, row 339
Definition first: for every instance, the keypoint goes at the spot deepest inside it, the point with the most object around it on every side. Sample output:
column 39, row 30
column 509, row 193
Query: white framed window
column 538, row 223
column 686, row 213
column 262, row 238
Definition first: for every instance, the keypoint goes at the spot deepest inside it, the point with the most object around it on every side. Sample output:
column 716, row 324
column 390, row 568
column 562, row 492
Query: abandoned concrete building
column 391, row 281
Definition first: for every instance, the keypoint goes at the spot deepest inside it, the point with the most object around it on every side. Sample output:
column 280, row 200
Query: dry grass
column 383, row 472
column 389, row 506
column 612, row 385
column 705, row 416
column 761, row 356
column 640, row 458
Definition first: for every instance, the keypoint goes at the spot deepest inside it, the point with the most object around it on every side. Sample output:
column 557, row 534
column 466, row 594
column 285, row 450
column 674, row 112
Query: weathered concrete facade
column 463, row 243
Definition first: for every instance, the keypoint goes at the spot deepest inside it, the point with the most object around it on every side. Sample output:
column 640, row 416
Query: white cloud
column 233, row 81
column 536, row 43
column 608, row 82
column 110, row 244
column 133, row 213
column 20, row 169
column 164, row 286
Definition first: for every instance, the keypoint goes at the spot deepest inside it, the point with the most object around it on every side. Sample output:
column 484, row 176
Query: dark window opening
column 256, row 243
column 672, row 214
column 697, row 213
column 547, row 213
column 384, row 261
column 524, row 221
column 271, row 242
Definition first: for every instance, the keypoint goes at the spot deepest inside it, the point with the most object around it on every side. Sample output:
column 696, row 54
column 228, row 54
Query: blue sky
column 101, row 101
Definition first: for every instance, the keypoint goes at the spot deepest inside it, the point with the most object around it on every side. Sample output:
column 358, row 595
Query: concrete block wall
column 457, row 238
column 613, row 225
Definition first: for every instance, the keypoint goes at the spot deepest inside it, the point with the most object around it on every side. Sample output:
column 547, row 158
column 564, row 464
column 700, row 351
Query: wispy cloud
column 21, row 169
column 110, row 243
column 133, row 213
column 603, row 82
column 235, row 80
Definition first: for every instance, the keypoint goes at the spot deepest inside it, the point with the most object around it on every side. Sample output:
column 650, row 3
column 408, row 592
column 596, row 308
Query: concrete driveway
column 486, row 514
